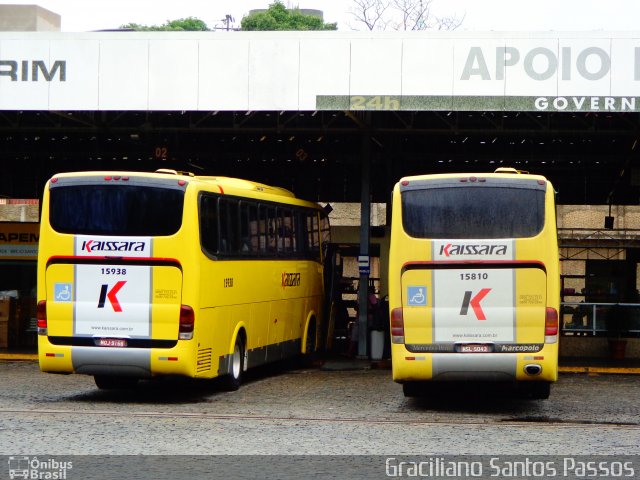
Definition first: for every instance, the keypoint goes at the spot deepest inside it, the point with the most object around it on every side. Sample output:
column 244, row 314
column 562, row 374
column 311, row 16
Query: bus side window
column 314, row 235
column 284, row 230
column 271, row 229
column 325, row 233
column 325, row 228
column 209, row 223
column 254, row 236
column 303, row 235
column 229, row 226
column 295, row 227
column 262, row 228
column 245, row 242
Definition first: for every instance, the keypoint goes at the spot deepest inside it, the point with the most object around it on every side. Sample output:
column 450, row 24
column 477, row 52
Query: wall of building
column 19, row 212
column 592, row 216
column 345, row 229
column 584, row 238
column 28, row 18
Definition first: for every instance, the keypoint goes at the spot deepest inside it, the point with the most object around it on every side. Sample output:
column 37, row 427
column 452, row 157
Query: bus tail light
column 551, row 326
column 187, row 322
column 41, row 317
column 397, row 326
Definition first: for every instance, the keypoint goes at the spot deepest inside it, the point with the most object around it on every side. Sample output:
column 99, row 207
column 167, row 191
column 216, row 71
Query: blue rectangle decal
column 417, row 296
column 62, row 292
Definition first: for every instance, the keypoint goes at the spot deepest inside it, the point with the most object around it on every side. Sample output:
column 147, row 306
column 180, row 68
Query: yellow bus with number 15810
column 151, row 274
column 474, row 286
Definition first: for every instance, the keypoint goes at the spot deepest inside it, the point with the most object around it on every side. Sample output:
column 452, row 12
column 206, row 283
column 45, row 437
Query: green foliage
column 189, row 24
column 277, row 17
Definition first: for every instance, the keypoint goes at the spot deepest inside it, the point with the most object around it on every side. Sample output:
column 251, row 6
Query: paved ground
column 283, row 422
column 330, row 410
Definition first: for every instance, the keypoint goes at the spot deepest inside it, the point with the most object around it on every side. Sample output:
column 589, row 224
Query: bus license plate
column 475, row 348
column 111, row 342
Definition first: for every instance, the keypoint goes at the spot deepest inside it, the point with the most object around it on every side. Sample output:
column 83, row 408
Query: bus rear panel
column 109, row 295
column 474, row 280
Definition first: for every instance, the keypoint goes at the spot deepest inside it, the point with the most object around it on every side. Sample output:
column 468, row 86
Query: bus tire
column 415, row 389
column 309, row 357
column 535, row 390
column 232, row 381
column 541, row 390
column 110, row 382
column 310, row 346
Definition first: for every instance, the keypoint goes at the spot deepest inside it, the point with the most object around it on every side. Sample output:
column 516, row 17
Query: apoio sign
column 540, row 63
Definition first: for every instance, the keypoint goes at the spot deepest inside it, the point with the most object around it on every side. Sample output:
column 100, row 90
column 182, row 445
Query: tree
column 401, row 15
column 279, row 17
column 189, row 24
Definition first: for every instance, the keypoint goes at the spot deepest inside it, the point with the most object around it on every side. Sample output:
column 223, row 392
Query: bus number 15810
column 474, row 276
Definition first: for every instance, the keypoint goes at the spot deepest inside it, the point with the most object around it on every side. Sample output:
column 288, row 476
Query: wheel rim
column 236, row 363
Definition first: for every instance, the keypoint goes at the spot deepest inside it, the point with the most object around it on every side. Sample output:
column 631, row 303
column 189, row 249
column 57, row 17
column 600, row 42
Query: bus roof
column 247, row 185
column 499, row 173
column 221, row 184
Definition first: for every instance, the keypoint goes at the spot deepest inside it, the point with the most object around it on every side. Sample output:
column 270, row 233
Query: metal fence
column 600, row 319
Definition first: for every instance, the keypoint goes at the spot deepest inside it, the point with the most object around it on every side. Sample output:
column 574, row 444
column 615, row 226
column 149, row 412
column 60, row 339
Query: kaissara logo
column 91, row 246
column 454, row 250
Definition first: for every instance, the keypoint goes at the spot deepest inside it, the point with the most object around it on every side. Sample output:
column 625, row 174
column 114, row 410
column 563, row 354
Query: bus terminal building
column 338, row 118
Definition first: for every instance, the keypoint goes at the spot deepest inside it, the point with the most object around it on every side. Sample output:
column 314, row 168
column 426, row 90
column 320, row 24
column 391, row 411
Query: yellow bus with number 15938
column 151, row 274
column 474, row 285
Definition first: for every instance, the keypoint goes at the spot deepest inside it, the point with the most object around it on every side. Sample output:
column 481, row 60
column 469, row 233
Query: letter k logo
column 475, row 303
column 105, row 294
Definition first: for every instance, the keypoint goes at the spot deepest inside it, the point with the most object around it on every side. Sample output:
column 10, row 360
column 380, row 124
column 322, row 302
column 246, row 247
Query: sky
column 479, row 15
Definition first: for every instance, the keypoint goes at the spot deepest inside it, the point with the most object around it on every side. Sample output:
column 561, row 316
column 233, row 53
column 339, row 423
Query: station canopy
column 295, row 109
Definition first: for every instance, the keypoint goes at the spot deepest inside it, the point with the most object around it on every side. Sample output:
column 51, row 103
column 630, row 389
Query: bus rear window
column 473, row 212
column 116, row 210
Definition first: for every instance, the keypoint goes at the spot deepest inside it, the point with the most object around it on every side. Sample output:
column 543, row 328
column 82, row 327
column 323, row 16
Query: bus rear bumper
column 489, row 367
column 130, row 362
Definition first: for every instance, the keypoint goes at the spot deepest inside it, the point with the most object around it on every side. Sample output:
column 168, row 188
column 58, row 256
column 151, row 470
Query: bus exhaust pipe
column 532, row 369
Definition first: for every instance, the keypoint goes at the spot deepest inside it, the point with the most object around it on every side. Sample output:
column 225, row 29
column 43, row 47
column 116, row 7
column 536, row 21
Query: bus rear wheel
column 233, row 380
column 110, row 382
column 310, row 347
column 308, row 358
column 534, row 390
column 418, row 389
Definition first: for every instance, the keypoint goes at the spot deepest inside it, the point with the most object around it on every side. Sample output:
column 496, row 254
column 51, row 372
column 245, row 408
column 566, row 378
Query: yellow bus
column 166, row 273
column 474, row 283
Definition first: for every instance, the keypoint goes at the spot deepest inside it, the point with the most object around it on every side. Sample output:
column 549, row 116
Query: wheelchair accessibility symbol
column 417, row 296
column 62, row 292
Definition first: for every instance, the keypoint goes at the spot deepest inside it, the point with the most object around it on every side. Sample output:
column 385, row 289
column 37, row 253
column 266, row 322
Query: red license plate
column 475, row 348
column 111, row 342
